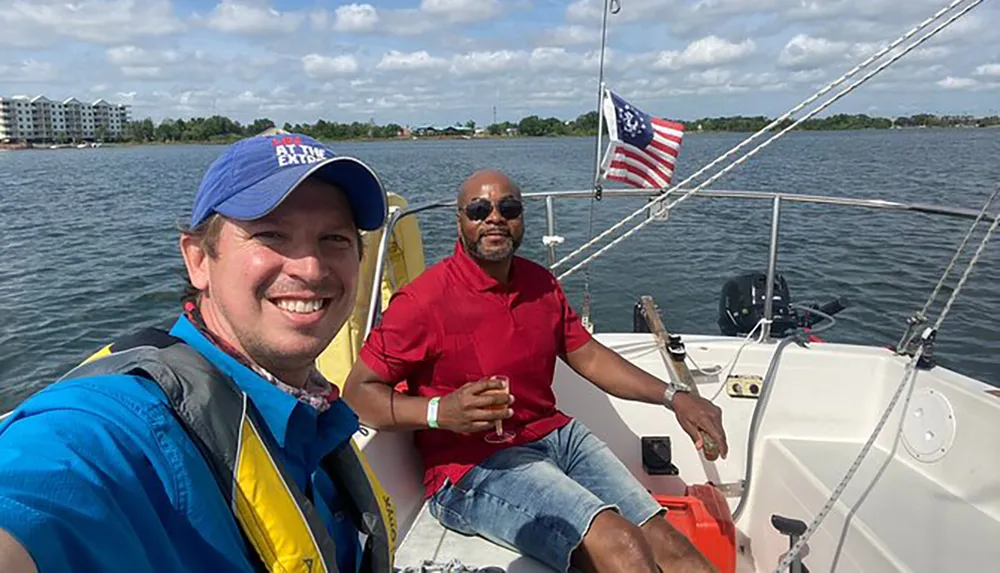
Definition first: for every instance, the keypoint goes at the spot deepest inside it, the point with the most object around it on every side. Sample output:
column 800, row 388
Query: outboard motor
column 741, row 305
column 741, row 308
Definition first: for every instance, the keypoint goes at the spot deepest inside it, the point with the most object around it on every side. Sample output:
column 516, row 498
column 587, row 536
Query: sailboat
column 843, row 457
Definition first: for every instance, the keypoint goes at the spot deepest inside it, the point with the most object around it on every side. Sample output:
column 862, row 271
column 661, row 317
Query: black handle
column 831, row 308
column 788, row 526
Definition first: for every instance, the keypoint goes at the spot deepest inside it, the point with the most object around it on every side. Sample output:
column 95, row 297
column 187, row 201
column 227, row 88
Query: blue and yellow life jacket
column 278, row 521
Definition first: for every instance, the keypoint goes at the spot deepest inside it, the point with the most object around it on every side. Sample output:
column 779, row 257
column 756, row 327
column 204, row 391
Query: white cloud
column 250, row 98
column 710, row 77
column 988, row 70
column 966, row 30
column 462, row 11
column 808, row 76
column 355, row 18
column 409, row 22
column 397, row 61
column 926, row 55
column 804, row 52
column 549, row 59
column 590, row 11
column 951, row 83
column 877, row 10
column 571, row 35
column 29, row 71
column 320, row 19
column 143, row 72
column 191, row 100
column 706, row 52
column 432, row 61
column 244, row 17
column 487, row 62
column 584, row 10
column 35, row 23
column 135, row 56
column 319, row 66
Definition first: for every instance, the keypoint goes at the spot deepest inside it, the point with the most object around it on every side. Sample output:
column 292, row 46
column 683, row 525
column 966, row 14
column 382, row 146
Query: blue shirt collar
column 274, row 405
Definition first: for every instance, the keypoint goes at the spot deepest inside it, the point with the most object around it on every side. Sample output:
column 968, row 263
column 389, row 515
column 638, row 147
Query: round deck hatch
column 929, row 427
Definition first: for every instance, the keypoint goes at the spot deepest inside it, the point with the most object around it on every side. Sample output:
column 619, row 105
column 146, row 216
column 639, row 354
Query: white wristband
column 432, row 412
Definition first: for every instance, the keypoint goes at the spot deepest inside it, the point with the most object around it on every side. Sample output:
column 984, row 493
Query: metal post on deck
column 550, row 228
column 772, row 263
column 381, row 257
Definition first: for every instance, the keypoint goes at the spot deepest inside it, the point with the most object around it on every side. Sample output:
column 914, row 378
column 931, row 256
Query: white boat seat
column 907, row 520
column 429, row 540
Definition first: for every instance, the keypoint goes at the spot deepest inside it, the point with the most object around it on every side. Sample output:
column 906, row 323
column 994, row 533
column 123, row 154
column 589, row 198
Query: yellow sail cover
column 405, row 262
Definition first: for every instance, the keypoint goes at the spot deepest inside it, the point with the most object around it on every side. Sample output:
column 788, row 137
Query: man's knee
column 673, row 549
column 613, row 543
column 614, row 533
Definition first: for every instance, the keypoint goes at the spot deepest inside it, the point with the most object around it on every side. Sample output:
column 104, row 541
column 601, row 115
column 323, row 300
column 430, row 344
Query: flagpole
column 600, row 91
column 585, row 308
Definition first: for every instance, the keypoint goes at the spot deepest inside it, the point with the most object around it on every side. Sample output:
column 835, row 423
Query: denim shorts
column 539, row 499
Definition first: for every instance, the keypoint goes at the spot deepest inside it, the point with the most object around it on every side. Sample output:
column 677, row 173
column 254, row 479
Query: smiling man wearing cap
column 216, row 446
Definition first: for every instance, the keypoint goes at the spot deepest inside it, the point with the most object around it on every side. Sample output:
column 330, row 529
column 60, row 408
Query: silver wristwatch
column 668, row 394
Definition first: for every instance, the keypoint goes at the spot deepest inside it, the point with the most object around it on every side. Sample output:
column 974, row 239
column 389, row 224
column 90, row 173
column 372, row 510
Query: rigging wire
column 751, row 153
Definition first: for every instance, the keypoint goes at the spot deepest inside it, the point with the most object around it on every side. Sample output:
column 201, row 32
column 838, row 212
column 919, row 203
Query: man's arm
column 380, row 406
column 395, row 350
column 13, row 557
column 607, row 370
column 73, row 474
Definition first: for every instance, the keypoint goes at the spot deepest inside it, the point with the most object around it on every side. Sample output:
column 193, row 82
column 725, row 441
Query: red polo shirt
column 455, row 324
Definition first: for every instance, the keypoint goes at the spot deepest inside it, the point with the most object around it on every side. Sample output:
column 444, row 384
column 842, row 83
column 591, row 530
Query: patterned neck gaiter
column 317, row 392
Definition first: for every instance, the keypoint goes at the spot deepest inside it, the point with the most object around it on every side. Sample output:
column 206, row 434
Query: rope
column 968, row 270
column 750, row 154
column 776, row 122
column 920, row 317
column 794, row 551
column 927, row 336
column 954, row 258
column 450, row 566
column 731, row 365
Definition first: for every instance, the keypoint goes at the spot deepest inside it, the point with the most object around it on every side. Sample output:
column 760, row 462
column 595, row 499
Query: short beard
column 476, row 251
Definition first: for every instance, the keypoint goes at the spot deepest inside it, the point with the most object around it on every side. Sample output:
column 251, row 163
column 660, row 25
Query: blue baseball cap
column 254, row 175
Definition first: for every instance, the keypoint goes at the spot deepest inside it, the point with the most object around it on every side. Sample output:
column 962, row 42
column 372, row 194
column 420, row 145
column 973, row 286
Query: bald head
column 484, row 182
column 490, row 216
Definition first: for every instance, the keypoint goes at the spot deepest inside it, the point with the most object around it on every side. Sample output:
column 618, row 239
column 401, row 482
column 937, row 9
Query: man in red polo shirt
column 554, row 491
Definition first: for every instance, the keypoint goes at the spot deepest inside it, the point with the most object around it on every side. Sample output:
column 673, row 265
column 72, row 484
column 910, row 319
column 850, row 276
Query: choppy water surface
column 90, row 251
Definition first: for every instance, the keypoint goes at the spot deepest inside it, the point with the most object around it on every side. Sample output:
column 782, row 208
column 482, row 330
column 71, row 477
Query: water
column 90, row 249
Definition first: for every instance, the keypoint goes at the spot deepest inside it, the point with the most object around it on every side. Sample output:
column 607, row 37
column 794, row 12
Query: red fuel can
column 703, row 516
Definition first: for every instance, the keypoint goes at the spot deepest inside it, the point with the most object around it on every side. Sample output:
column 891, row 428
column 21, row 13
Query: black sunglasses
column 479, row 209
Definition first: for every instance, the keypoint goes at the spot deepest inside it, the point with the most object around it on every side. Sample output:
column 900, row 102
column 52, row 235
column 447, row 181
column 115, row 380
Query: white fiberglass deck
column 906, row 522
column 428, row 540
column 937, row 513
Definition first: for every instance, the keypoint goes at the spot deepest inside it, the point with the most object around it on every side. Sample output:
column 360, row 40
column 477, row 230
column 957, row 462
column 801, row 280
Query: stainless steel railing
column 375, row 307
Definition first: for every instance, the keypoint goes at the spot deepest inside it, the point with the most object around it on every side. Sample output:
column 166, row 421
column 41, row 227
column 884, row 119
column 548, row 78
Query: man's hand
column 469, row 409
column 695, row 413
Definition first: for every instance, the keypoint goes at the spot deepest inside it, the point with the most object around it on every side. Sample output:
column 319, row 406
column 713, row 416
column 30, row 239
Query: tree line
column 223, row 129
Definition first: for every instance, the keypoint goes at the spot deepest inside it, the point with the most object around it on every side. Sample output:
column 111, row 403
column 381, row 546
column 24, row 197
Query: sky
column 437, row 62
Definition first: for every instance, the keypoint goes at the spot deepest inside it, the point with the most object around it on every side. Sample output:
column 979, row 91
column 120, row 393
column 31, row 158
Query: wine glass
column 499, row 436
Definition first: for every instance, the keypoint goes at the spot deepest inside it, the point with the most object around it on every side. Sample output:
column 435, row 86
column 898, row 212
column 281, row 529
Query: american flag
column 643, row 149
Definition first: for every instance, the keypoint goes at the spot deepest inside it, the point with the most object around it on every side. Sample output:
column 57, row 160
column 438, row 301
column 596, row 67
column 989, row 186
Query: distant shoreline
column 689, row 132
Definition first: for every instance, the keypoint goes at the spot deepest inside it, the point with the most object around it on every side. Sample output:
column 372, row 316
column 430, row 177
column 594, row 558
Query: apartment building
column 41, row 120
